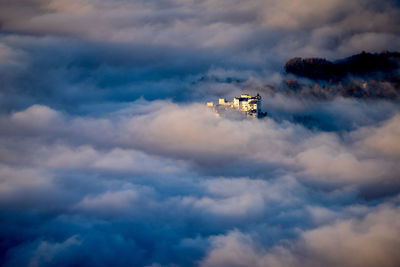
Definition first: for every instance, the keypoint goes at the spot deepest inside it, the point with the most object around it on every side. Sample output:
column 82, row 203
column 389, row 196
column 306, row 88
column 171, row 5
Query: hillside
column 363, row 65
column 365, row 75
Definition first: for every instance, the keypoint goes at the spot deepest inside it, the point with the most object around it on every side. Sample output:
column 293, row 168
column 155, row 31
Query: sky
column 109, row 157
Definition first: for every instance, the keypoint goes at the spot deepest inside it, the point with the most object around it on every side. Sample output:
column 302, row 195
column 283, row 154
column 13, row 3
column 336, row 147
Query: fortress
column 250, row 105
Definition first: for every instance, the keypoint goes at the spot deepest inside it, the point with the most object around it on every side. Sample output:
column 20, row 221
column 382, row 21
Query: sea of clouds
column 109, row 157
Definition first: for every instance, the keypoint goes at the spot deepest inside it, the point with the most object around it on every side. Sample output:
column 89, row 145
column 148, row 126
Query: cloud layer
column 108, row 156
column 166, row 180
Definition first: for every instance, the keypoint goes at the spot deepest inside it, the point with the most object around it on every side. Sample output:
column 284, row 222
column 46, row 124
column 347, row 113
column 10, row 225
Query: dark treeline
column 365, row 75
column 364, row 65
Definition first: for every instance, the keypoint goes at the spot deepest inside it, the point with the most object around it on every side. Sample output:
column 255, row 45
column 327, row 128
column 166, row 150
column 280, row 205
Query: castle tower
column 258, row 103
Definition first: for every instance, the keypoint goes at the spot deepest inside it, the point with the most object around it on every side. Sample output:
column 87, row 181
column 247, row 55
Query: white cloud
column 370, row 241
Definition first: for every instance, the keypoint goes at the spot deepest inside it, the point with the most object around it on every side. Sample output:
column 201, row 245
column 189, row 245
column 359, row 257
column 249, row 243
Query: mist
column 109, row 155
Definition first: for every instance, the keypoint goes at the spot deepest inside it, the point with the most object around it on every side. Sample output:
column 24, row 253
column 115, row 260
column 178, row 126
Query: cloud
column 97, row 52
column 106, row 145
column 381, row 140
column 36, row 117
column 208, row 23
column 170, row 135
column 188, row 175
column 370, row 241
